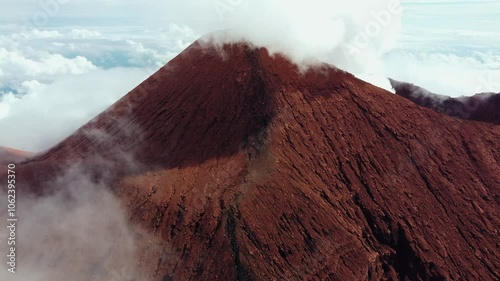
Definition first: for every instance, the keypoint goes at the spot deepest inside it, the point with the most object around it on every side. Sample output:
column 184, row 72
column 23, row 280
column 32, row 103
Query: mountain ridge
column 482, row 107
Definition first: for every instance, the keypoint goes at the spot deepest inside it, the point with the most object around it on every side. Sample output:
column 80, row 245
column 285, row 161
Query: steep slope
column 483, row 107
column 246, row 169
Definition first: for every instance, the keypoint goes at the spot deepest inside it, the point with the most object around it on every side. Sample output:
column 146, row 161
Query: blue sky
column 64, row 64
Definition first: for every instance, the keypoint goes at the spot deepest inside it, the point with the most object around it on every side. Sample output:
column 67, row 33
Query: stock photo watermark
column 489, row 83
column 380, row 20
column 47, row 10
column 222, row 7
column 11, row 218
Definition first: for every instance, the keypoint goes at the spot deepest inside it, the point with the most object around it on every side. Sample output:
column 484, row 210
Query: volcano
column 483, row 107
column 245, row 167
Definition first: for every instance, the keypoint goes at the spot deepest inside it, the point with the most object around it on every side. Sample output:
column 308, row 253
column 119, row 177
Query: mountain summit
column 246, row 168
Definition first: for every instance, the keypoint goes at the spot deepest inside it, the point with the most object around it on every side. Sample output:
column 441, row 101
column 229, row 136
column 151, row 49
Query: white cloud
column 35, row 33
column 84, row 33
column 49, row 112
column 17, row 67
column 80, row 223
column 304, row 30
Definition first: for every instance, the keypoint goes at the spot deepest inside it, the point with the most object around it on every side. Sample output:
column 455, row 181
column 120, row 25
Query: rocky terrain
column 242, row 167
column 483, row 107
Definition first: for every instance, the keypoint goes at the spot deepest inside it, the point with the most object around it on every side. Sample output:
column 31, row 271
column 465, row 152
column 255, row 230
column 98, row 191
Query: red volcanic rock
column 483, row 107
column 247, row 169
column 10, row 156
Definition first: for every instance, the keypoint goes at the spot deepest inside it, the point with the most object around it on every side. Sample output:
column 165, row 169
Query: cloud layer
column 78, row 232
column 48, row 112
column 53, row 81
